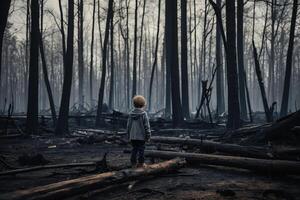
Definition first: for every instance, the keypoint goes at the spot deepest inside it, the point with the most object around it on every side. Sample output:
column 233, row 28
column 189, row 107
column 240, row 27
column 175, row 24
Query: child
column 138, row 130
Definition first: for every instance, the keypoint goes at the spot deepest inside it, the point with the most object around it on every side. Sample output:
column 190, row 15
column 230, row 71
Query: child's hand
column 147, row 139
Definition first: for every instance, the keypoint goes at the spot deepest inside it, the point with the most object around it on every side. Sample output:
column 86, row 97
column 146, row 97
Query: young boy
column 138, row 130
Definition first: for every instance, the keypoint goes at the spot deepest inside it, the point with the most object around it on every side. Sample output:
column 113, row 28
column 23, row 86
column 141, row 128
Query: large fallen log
column 279, row 128
column 210, row 146
column 69, row 188
column 261, row 165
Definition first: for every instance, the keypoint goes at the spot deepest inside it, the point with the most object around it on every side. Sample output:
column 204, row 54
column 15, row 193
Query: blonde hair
column 139, row 101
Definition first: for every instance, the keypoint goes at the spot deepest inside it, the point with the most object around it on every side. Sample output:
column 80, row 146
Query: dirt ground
column 192, row 182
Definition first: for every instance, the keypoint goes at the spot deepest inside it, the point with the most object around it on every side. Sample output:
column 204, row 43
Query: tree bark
column 289, row 60
column 33, row 87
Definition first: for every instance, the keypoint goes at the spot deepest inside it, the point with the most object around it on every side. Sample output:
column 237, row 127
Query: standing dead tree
column 44, row 68
column 62, row 125
column 289, row 60
column 92, row 54
column 184, row 59
column 4, row 11
column 268, row 110
column 155, row 56
column 104, row 53
column 135, row 50
column 233, row 121
column 206, row 95
column 80, row 54
column 172, row 59
column 33, row 87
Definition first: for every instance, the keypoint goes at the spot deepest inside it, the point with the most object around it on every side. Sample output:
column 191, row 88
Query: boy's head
column 139, row 101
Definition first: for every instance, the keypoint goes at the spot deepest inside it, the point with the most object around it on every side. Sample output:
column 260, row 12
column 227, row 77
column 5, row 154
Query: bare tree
column 289, row 60
column 92, row 54
column 33, row 87
column 4, row 11
column 240, row 50
column 220, row 69
column 184, row 70
column 44, row 67
column 62, row 125
column 135, row 50
column 232, row 79
column 155, row 56
column 112, row 63
column 104, row 55
column 80, row 53
column 172, row 59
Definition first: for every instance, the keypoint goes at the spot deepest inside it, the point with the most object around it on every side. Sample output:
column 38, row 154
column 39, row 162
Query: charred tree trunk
column 184, row 58
column 33, row 87
column 240, row 50
column 92, row 54
column 62, row 126
column 112, row 64
column 232, row 79
column 104, row 55
column 289, row 60
column 80, row 54
column 268, row 112
column 155, row 56
column 46, row 79
column 220, row 69
column 172, row 59
column 134, row 50
column 70, row 188
column 4, row 10
column 45, row 70
column 140, row 45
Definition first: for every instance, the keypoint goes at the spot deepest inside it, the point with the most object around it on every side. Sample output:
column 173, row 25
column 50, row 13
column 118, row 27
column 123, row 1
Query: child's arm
column 128, row 127
column 147, row 127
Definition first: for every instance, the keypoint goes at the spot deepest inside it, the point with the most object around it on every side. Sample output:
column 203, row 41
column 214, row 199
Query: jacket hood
column 137, row 111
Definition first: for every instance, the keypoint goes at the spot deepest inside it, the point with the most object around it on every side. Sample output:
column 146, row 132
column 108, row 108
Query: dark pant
column 138, row 148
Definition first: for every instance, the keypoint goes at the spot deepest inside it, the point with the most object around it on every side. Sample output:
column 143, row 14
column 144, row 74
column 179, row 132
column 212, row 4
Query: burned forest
column 149, row 99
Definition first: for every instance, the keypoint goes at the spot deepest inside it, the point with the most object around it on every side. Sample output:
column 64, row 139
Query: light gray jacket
column 138, row 127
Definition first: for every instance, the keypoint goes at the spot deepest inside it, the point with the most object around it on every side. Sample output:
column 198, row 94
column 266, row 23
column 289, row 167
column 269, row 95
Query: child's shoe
column 141, row 165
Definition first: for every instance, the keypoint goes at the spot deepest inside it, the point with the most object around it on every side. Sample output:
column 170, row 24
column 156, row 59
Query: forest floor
column 191, row 182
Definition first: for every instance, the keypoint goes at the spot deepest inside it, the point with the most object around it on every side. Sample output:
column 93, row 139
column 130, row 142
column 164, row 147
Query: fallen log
column 44, row 167
column 11, row 136
column 69, row 188
column 261, row 165
column 279, row 128
column 210, row 146
column 98, row 164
